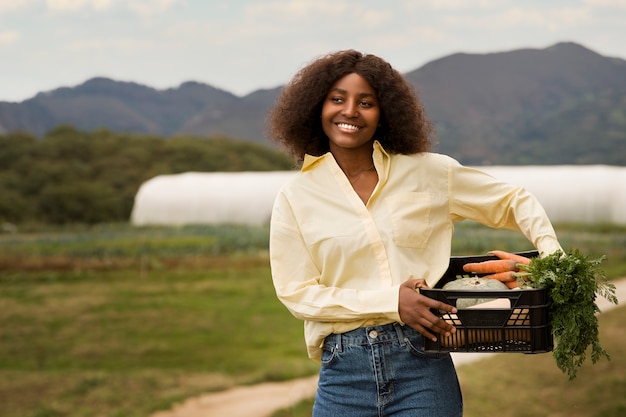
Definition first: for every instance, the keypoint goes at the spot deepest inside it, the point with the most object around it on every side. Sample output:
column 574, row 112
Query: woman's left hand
column 415, row 310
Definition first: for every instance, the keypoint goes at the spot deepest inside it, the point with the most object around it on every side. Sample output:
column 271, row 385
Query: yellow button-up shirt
column 337, row 263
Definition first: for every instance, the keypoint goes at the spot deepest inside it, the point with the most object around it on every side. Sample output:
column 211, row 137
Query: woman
column 367, row 221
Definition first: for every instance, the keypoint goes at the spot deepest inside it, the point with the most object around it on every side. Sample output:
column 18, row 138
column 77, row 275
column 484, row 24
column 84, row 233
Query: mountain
column 118, row 106
column 558, row 105
column 528, row 101
column 243, row 119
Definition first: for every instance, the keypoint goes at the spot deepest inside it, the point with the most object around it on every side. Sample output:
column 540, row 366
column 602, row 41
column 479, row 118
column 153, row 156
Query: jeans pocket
column 414, row 345
column 329, row 354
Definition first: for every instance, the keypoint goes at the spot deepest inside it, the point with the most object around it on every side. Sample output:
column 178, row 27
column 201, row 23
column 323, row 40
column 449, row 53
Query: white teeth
column 347, row 126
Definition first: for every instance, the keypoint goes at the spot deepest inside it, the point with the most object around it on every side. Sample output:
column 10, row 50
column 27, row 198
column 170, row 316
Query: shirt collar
column 379, row 156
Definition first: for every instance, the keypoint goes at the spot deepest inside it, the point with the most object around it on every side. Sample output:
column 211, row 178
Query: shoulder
column 426, row 160
column 291, row 182
column 299, row 183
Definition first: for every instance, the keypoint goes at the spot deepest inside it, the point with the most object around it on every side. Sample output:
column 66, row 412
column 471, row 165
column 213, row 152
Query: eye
column 336, row 99
column 367, row 104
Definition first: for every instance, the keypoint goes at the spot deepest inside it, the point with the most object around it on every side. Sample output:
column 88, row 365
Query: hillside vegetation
column 564, row 104
column 71, row 176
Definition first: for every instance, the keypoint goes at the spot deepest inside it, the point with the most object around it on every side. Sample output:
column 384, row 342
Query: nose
column 350, row 109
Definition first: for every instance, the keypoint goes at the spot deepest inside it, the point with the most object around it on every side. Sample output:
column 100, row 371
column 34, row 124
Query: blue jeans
column 382, row 371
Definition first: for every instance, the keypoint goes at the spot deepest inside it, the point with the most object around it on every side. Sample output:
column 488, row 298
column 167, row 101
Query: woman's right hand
column 414, row 309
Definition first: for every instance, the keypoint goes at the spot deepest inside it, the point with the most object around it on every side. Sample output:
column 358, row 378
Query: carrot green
column 573, row 281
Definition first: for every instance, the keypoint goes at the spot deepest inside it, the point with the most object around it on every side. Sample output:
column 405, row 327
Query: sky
column 244, row 45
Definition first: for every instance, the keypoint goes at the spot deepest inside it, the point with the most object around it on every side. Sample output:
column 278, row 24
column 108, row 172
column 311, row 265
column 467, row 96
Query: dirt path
column 264, row 399
column 254, row 401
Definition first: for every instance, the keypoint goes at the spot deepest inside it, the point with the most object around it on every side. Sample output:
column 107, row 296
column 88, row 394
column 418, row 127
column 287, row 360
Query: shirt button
column 373, row 334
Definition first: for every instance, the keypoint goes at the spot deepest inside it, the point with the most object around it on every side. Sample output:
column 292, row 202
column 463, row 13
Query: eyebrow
column 361, row 95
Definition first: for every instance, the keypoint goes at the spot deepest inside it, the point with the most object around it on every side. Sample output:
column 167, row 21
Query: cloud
column 274, row 23
column 56, row 5
column 516, row 17
column 151, row 7
column 9, row 37
column 292, row 10
column 408, row 37
column 551, row 19
column 139, row 7
column 618, row 4
column 428, row 34
column 451, row 5
column 298, row 11
column 120, row 44
column 66, row 5
column 10, row 5
column 102, row 4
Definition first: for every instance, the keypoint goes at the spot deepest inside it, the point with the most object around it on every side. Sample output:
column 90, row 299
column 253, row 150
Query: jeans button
column 373, row 334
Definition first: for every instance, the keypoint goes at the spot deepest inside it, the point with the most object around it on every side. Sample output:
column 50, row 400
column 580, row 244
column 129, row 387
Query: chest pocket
column 410, row 218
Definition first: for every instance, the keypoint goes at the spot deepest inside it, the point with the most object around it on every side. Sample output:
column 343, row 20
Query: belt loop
column 400, row 333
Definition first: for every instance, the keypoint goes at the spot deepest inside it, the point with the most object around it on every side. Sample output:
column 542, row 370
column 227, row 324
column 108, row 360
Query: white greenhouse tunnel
column 572, row 193
column 208, row 198
column 569, row 193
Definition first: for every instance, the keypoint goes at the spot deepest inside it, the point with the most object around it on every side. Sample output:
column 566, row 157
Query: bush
column 71, row 176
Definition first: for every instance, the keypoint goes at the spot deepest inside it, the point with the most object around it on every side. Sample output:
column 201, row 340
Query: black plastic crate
column 522, row 327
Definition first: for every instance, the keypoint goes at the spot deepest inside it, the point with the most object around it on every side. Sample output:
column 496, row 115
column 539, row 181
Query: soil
column 264, row 399
column 254, row 401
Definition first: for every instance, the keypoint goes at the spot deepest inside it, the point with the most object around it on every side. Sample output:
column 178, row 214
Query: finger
column 424, row 332
column 431, row 326
column 435, row 332
column 417, row 283
column 445, row 307
column 421, row 283
column 436, row 324
column 438, row 305
column 442, row 327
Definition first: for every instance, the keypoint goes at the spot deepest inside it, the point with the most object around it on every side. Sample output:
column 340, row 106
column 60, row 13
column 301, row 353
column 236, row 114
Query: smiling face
column 350, row 113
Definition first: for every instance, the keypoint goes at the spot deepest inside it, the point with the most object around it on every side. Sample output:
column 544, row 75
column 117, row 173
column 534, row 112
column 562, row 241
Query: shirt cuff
column 383, row 302
column 548, row 245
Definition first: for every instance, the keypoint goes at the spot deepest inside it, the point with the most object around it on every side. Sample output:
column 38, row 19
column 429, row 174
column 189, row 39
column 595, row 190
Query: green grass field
column 118, row 321
column 518, row 385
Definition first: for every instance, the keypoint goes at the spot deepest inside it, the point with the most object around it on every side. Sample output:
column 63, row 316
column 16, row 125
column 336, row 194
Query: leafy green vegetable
column 573, row 282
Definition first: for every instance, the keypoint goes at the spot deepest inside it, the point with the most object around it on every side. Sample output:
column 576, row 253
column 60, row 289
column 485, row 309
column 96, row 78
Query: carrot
column 499, row 265
column 512, row 284
column 505, row 276
column 512, row 256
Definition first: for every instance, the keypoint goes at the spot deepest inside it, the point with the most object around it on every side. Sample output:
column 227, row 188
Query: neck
column 353, row 162
column 356, row 168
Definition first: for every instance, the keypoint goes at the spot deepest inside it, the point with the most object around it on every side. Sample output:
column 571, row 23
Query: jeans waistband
column 392, row 332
